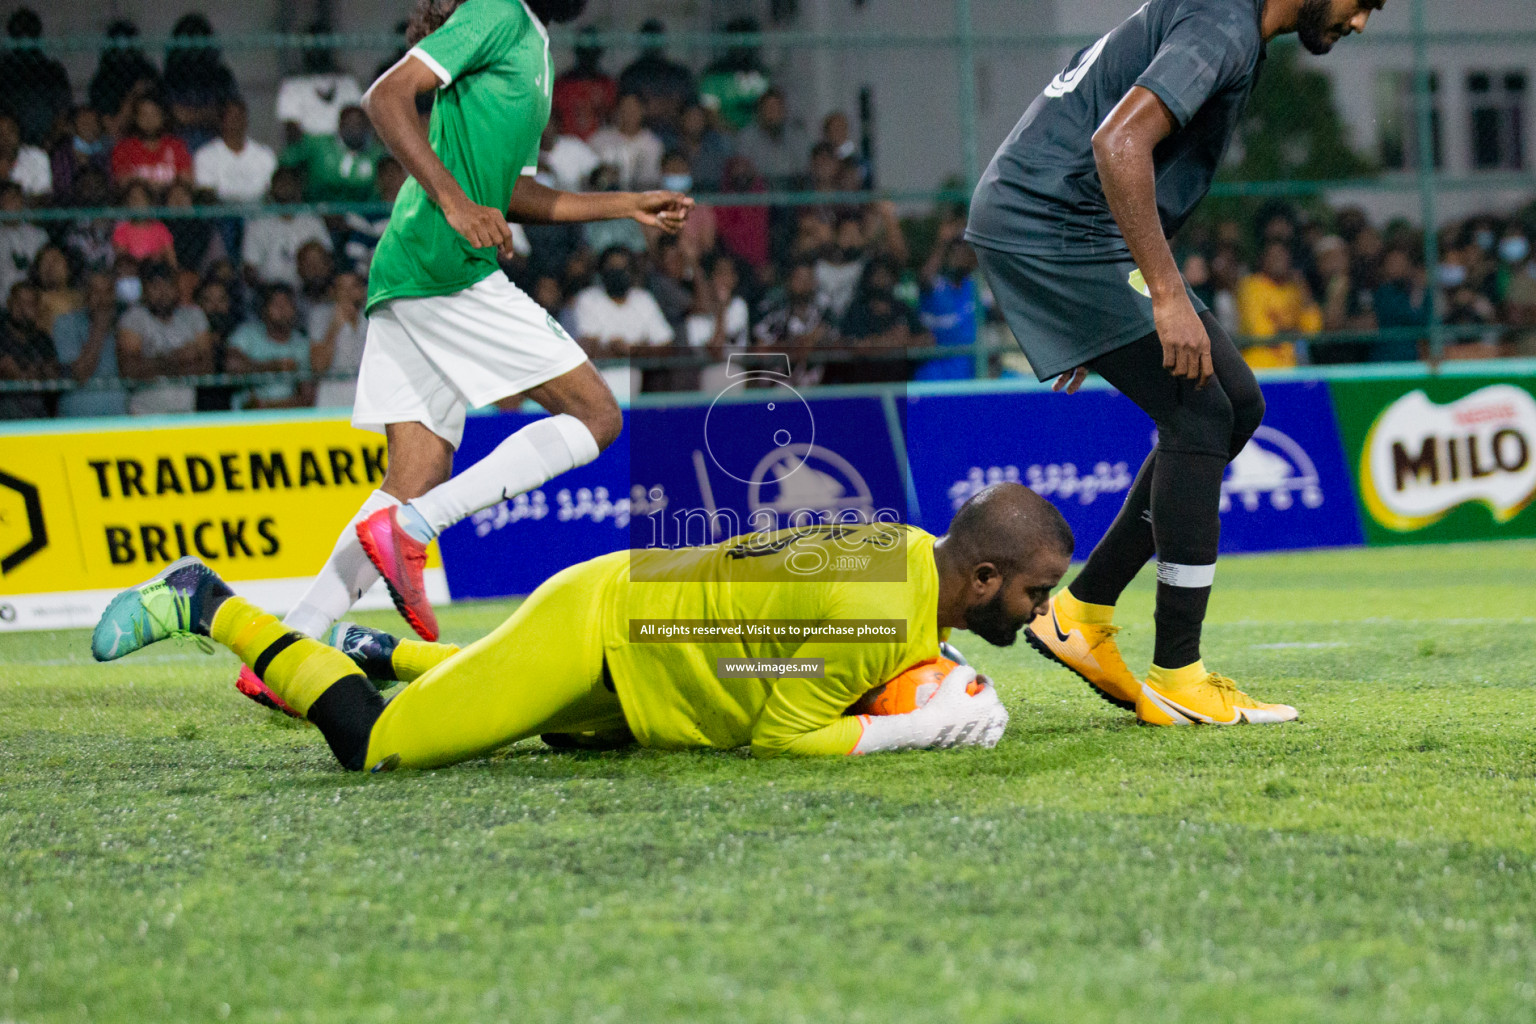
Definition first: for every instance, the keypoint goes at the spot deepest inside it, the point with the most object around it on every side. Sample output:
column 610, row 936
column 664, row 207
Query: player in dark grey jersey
column 1071, row 224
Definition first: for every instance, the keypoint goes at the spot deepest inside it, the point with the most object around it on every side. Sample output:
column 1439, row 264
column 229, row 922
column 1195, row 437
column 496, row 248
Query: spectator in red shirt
column 149, row 152
column 586, row 93
column 743, row 230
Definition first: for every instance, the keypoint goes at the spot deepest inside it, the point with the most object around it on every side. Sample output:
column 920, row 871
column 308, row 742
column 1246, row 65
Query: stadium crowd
column 124, row 307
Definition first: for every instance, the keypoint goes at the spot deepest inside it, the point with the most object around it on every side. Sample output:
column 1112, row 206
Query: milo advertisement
column 1441, row 458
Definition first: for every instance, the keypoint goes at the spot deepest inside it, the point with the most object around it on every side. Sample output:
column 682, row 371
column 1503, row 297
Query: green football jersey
column 492, row 57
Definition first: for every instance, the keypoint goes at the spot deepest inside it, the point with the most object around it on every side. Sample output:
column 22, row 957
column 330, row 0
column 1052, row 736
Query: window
column 1496, row 102
column 1397, row 116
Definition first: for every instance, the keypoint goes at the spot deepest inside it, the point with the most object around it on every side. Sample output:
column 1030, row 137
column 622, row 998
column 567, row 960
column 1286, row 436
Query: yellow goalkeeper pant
column 541, row 671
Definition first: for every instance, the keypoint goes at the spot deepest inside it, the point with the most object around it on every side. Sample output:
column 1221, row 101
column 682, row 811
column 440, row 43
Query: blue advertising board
column 1288, row 489
column 687, row 474
column 763, row 458
column 1081, row 451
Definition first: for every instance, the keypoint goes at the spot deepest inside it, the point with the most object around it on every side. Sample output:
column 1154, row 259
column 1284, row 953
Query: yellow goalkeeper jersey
column 801, row 593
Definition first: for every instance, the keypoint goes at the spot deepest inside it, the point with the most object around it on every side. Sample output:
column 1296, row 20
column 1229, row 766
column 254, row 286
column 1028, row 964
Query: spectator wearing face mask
column 704, row 147
column 840, row 266
column 878, row 328
column 20, row 242
column 86, row 343
column 339, row 167
column 272, row 344
column 1519, row 269
column 160, row 338
column 700, row 228
column 615, row 317
column 85, row 146
column 950, row 304
column 26, row 354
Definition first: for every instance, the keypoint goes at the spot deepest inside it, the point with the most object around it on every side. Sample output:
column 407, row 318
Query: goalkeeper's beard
column 992, row 622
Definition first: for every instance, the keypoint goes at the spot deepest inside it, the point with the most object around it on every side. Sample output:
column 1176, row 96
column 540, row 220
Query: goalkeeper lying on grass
column 564, row 662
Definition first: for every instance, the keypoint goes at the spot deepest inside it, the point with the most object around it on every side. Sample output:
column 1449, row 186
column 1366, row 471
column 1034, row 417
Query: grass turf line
column 169, row 852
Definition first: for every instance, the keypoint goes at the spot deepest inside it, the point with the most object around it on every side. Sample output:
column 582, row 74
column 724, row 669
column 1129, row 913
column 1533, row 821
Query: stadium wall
column 1376, row 455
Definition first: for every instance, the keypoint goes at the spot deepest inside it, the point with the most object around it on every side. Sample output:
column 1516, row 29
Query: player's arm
column 1122, row 149
column 534, row 203
column 391, row 106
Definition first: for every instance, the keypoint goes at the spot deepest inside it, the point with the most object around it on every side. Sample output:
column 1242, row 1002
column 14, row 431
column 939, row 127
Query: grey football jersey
column 1041, row 193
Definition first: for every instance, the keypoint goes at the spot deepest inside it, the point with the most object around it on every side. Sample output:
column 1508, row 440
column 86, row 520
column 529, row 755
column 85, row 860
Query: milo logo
column 1421, row 459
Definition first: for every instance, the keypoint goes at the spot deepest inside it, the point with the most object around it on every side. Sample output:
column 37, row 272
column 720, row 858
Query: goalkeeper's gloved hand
column 954, row 717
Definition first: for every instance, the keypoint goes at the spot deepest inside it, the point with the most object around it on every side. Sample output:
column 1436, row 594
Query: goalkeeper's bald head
column 1009, row 525
column 1006, row 548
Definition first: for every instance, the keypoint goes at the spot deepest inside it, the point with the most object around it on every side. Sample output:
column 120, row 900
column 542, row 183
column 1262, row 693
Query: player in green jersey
column 446, row 329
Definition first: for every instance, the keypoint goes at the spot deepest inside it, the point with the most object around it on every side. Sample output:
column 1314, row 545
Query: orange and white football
column 908, row 691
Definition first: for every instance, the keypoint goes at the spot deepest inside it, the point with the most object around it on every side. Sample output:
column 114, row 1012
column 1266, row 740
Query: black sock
column 1186, row 523
column 345, row 714
column 1125, row 548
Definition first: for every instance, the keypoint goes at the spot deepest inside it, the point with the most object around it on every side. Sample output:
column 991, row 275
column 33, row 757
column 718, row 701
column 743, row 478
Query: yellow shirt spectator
column 1275, row 301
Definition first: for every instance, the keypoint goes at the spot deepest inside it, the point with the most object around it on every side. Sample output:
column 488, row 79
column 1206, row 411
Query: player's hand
column 964, row 719
column 481, row 226
column 1186, row 345
column 1071, row 380
column 661, row 209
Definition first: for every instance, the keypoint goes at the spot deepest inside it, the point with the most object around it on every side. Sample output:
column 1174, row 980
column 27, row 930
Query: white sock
column 539, row 452
column 346, row 576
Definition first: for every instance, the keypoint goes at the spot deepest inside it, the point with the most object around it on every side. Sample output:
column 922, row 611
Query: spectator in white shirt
column 311, row 103
column 567, row 160
column 163, row 338
column 615, row 316
column 630, row 146
column 271, row 247
column 26, row 165
column 19, row 241
column 235, row 167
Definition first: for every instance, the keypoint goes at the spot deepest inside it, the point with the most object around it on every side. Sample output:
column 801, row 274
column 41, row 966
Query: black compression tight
column 1172, row 508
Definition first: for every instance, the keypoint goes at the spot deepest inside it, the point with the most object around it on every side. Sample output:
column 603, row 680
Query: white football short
column 430, row 360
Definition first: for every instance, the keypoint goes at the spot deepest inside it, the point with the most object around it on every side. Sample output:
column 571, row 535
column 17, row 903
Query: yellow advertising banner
column 96, row 510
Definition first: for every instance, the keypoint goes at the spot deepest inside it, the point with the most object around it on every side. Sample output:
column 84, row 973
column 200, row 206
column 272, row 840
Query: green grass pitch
column 168, row 852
